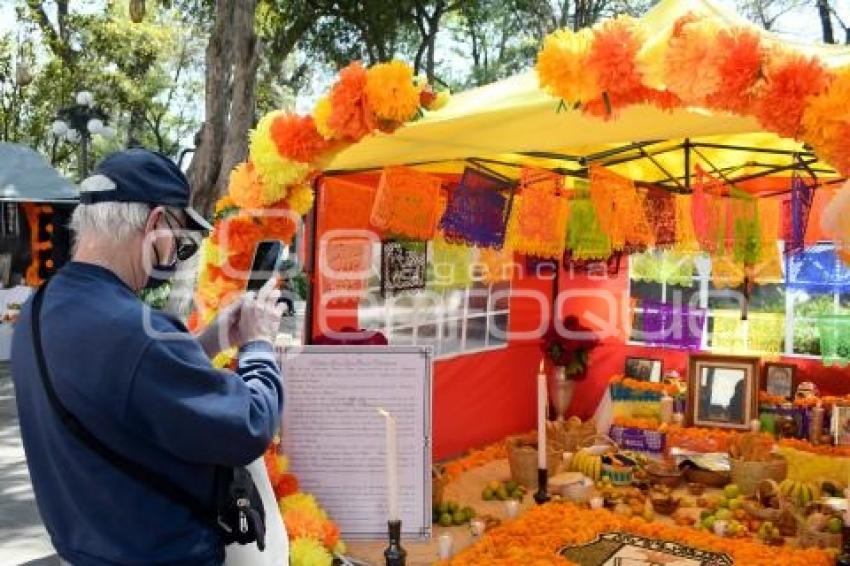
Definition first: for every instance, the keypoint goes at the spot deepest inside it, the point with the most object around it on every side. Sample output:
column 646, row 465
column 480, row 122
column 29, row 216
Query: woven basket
column 810, row 538
column 748, row 475
column 522, row 458
column 781, row 516
column 707, row 477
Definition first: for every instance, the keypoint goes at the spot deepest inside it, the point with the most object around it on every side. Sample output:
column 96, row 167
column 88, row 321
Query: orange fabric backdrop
column 480, row 398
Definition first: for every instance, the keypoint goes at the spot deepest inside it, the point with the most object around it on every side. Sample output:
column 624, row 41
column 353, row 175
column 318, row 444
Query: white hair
column 113, row 220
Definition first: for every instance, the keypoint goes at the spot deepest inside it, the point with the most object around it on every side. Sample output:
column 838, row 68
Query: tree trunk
column 232, row 58
column 204, row 170
column 243, row 91
column 826, row 21
column 136, row 127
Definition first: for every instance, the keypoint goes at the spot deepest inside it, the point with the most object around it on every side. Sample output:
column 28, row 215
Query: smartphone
column 268, row 257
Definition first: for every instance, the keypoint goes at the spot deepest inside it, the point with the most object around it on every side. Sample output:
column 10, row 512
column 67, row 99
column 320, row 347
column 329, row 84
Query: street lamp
column 78, row 122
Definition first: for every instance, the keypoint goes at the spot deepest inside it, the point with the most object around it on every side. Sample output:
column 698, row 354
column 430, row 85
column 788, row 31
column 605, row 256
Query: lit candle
column 541, row 419
column 392, row 465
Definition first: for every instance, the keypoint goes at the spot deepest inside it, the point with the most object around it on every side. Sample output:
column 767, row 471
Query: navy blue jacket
column 139, row 382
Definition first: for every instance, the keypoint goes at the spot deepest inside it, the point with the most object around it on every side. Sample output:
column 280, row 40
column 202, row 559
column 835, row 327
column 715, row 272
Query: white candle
column 445, row 546
column 392, row 466
column 541, row 419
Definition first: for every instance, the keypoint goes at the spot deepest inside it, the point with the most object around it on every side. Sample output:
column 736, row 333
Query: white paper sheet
column 335, row 437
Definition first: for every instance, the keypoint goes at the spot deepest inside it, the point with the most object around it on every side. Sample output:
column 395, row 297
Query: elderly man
column 136, row 380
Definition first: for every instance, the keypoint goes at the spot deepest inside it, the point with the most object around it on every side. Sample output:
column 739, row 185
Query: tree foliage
column 143, row 75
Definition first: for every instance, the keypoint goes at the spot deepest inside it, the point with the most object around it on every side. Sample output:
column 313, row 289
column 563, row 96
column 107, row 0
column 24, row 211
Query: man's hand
column 254, row 316
column 259, row 315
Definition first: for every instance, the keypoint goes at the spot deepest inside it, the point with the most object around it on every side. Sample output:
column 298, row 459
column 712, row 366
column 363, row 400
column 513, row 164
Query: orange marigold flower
column 296, row 137
column 245, row 189
column 613, row 60
column 391, row 93
column 350, row 117
column 287, row 484
column 790, row 79
column 739, row 59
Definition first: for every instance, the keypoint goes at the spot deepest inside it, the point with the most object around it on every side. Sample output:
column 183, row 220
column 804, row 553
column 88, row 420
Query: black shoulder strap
column 133, row 469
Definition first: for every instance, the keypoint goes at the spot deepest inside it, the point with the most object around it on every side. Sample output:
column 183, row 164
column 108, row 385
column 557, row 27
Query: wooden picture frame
column 722, row 391
column 644, row 369
column 779, row 380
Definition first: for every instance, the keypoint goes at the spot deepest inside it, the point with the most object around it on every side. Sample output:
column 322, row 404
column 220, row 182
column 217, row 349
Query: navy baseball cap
column 141, row 175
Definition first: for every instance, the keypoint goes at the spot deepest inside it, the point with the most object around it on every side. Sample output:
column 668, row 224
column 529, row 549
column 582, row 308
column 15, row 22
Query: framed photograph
column 722, row 391
column 841, row 425
column 404, row 266
column 779, row 379
column 645, row 369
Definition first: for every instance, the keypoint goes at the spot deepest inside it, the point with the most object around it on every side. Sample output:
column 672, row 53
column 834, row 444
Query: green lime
column 445, row 520
column 487, row 494
column 459, row 517
column 469, row 512
column 453, row 506
column 443, row 507
column 511, row 485
column 503, row 493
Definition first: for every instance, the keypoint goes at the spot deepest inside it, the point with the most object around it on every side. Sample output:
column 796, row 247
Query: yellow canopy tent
column 514, row 121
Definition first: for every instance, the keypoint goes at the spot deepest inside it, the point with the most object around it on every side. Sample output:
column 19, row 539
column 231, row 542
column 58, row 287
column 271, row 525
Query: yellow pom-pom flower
column 222, row 359
column 302, row 502
column 223, row 204
column 321, row 114
column 282, row 463
column 308, row 552
column 562, row 66
column 276, row 172
column 391, row 93
column 300, row 199
column 211, row 254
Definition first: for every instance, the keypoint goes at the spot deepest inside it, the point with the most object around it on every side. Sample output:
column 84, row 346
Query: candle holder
column 394, row 554
column 541, row 496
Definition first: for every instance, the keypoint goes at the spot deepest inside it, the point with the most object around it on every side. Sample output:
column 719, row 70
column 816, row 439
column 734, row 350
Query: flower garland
column 536, row 537
column 702, row 63
column 267, row 195
column 314, row 538
column 700, row 439
column 823, row 450
column 476, row 459
column 286, row 153
column 644, row 386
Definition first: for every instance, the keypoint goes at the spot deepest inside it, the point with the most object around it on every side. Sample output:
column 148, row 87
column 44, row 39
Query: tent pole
column 616, row 151
column 749, row 149
column 775, row 169
column 620, row 160
column 661, row 168
column 312, row 295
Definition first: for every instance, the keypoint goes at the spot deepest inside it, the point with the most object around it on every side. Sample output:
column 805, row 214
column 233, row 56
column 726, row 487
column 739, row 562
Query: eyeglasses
column 184, row 246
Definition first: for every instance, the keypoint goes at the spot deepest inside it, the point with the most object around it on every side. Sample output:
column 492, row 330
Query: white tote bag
column 277, row 543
